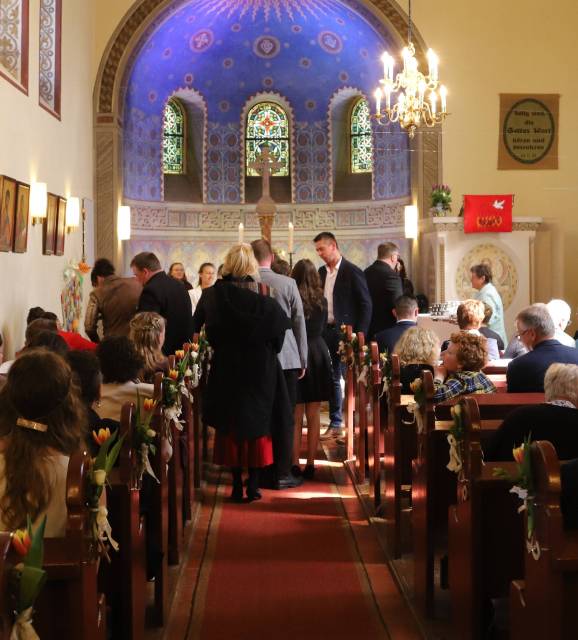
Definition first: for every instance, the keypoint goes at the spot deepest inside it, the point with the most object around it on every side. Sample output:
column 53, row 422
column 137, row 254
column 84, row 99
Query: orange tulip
column 21, row 541
column 102, row 436
column 148, row 404
column 195, row 346
column 179, row 354
column 173, row 374
column 518, row 454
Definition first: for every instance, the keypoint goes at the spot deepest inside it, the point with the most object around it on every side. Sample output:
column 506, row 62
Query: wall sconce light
column 38, row 201
column 72, row 214
column 123, row 223
column 410, row 214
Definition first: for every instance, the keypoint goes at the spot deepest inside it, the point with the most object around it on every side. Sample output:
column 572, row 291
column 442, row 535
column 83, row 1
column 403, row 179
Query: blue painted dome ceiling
column 230, row 50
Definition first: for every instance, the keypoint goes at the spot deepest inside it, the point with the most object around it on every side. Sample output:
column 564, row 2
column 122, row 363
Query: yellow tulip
column 179, row 354
column 173, row 374
column 518, row 454
column 21, row 541
column 102, row 436
column 148, row 404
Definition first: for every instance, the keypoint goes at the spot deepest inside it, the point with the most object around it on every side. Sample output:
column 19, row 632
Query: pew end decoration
column 27, row 578
column 108, row 453
column 182, row 366
column 348, row 348
column 524, row 489
column 455, row 438
column 386, row 371
column 143, row 442
column 418, row 405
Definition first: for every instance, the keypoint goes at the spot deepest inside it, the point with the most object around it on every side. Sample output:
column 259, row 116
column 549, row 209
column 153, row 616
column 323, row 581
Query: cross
column 265, row 165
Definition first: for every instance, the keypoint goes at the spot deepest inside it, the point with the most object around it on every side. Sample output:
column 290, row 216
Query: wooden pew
column 361, row 413
column 175, row 489
column 69, row 606
column 198, row 442
column 398, row 446
column 484, row 532
column 544, row 603
column 434, row 487
column 349, row 400
column 159, row 515
column 126, row 576
column 374, row 429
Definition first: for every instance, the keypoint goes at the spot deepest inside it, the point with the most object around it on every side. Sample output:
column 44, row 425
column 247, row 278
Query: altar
column 446, row 254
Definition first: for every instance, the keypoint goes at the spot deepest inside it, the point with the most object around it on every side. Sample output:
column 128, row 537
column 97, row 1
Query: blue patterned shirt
column 461, row 383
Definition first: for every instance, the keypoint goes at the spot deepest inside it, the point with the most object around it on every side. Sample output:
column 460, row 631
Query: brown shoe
column 330, row 433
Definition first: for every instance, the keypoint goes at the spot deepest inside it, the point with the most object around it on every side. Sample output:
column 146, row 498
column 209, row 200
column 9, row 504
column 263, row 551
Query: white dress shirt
column 328, row 290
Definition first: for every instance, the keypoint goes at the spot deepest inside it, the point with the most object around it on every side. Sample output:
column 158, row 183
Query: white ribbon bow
column 455, row 463
column 103, row 528
column 145, row 462
column 22, row 628
column 414, row 408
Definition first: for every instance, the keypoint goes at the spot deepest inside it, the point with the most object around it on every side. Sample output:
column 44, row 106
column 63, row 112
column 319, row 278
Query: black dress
column 316, row 385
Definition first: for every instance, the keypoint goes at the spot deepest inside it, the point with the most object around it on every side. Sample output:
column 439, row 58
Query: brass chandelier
column 418, row 95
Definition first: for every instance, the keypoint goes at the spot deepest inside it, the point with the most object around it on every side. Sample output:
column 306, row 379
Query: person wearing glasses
column 385, row 287
column 535, row 329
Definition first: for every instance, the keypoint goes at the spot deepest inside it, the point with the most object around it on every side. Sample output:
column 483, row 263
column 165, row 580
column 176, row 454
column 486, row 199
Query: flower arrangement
column 174, row 385
column 416, row 407
column 28, row 577
column 106, row 457
column 364, row 366
column 342, row 350
column 143, row 438
column 441, row 198
column 523, row 486
column 455, row 436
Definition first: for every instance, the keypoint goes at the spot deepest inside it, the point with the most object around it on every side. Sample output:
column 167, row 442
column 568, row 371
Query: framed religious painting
column 61, row 227
column 49, row 228
column 21, row 218
column 7, row 209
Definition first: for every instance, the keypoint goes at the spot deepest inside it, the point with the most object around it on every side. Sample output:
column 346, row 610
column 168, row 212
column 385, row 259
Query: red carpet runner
column 289, row 567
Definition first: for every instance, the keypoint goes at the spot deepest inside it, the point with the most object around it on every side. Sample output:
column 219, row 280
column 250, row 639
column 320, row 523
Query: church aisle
column 298, row 564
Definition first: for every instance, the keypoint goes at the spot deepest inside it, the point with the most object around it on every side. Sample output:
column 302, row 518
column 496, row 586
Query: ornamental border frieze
column 459, row 225
column 156, row 217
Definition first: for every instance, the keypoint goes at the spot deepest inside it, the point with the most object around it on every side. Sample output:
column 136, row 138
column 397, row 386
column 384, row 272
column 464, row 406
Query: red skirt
column 245, row 453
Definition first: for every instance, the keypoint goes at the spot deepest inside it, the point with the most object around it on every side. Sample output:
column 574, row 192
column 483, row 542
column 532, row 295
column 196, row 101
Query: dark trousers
column 332, row 337
column 282, row 436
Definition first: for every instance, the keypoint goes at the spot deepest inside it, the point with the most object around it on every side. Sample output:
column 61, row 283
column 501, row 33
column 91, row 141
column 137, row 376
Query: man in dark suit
column 167, row 297
column 385, row 287
column 348, row 302
column 405, row 312
column 535, row 328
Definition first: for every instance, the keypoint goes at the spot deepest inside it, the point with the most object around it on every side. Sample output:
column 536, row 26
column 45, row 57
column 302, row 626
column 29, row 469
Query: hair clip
column 30, row 424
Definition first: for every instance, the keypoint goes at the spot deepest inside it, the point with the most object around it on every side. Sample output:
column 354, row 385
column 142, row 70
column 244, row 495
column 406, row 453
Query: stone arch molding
column 143, row 17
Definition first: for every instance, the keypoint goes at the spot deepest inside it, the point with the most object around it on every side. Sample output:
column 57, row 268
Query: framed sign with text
column 528, row 131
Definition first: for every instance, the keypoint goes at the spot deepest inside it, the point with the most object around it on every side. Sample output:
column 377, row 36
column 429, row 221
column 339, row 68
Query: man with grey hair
column 535, row 329
column 385, row 287
column 561, row 313
column 555, row 420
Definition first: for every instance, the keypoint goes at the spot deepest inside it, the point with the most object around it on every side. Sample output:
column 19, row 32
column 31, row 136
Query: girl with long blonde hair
column 147, row 331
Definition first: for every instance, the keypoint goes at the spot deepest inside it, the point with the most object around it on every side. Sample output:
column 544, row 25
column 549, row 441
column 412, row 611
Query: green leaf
column 31, row 582
column 113, row 455
column 35, row 554
column 100, row 461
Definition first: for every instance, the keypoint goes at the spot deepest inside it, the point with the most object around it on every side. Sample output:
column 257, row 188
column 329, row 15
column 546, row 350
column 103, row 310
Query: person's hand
column 302, row 374
column 440, row 372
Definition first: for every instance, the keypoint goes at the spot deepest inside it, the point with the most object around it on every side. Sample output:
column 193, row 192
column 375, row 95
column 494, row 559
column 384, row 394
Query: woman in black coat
column 246, row 393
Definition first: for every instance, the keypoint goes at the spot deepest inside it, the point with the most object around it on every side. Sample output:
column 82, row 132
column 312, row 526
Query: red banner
column 488, row 214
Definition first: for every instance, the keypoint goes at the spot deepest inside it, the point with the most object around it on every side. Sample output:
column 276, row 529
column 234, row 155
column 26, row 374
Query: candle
column 290, row 238
column 241, row 232
column 443, row 96
column 377, row 102
column 433, row 100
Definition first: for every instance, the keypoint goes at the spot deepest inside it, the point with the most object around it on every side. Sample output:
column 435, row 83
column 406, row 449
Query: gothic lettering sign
column 528, row 131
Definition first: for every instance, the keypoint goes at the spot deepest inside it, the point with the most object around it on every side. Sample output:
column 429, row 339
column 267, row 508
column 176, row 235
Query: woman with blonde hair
column 42, row 423
column 147, row 331
column 246, row 395
column 418, row 349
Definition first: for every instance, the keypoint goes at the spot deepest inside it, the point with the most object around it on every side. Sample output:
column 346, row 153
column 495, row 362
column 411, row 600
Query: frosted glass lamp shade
column 72, row 213
column 38, row 200
column 411, row 221
column 123, row 223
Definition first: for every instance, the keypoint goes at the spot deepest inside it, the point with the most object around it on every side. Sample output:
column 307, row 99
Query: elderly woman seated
column 556, row 420
column 470, row 316
column 418, row 349
column 461, row 370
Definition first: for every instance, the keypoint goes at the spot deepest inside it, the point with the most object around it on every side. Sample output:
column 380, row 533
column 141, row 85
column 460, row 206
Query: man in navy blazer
column 405, row 312
column 348, row 302
column 535, row 329
column 385, row 287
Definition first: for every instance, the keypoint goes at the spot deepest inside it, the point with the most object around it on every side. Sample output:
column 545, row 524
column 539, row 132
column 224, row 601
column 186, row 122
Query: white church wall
column 35, row 146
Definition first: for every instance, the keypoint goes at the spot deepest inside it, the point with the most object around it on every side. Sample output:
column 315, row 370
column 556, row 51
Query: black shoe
column 237, row 493
column 253, row 494
column 296, row 471
column 309, row 472
column 289, row 482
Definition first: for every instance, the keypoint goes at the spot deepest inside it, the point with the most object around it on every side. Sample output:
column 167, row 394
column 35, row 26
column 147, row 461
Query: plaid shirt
column 461, row 383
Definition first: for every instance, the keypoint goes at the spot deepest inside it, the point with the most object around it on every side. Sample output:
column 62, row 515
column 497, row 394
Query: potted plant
column 441, row 200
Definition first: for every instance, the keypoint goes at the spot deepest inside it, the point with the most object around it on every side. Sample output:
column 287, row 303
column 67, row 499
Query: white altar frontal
column 446, row 254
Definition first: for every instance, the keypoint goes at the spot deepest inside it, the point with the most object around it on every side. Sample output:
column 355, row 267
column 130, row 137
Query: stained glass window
column 174, row 138
column 267, row 125
column 361, row 143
